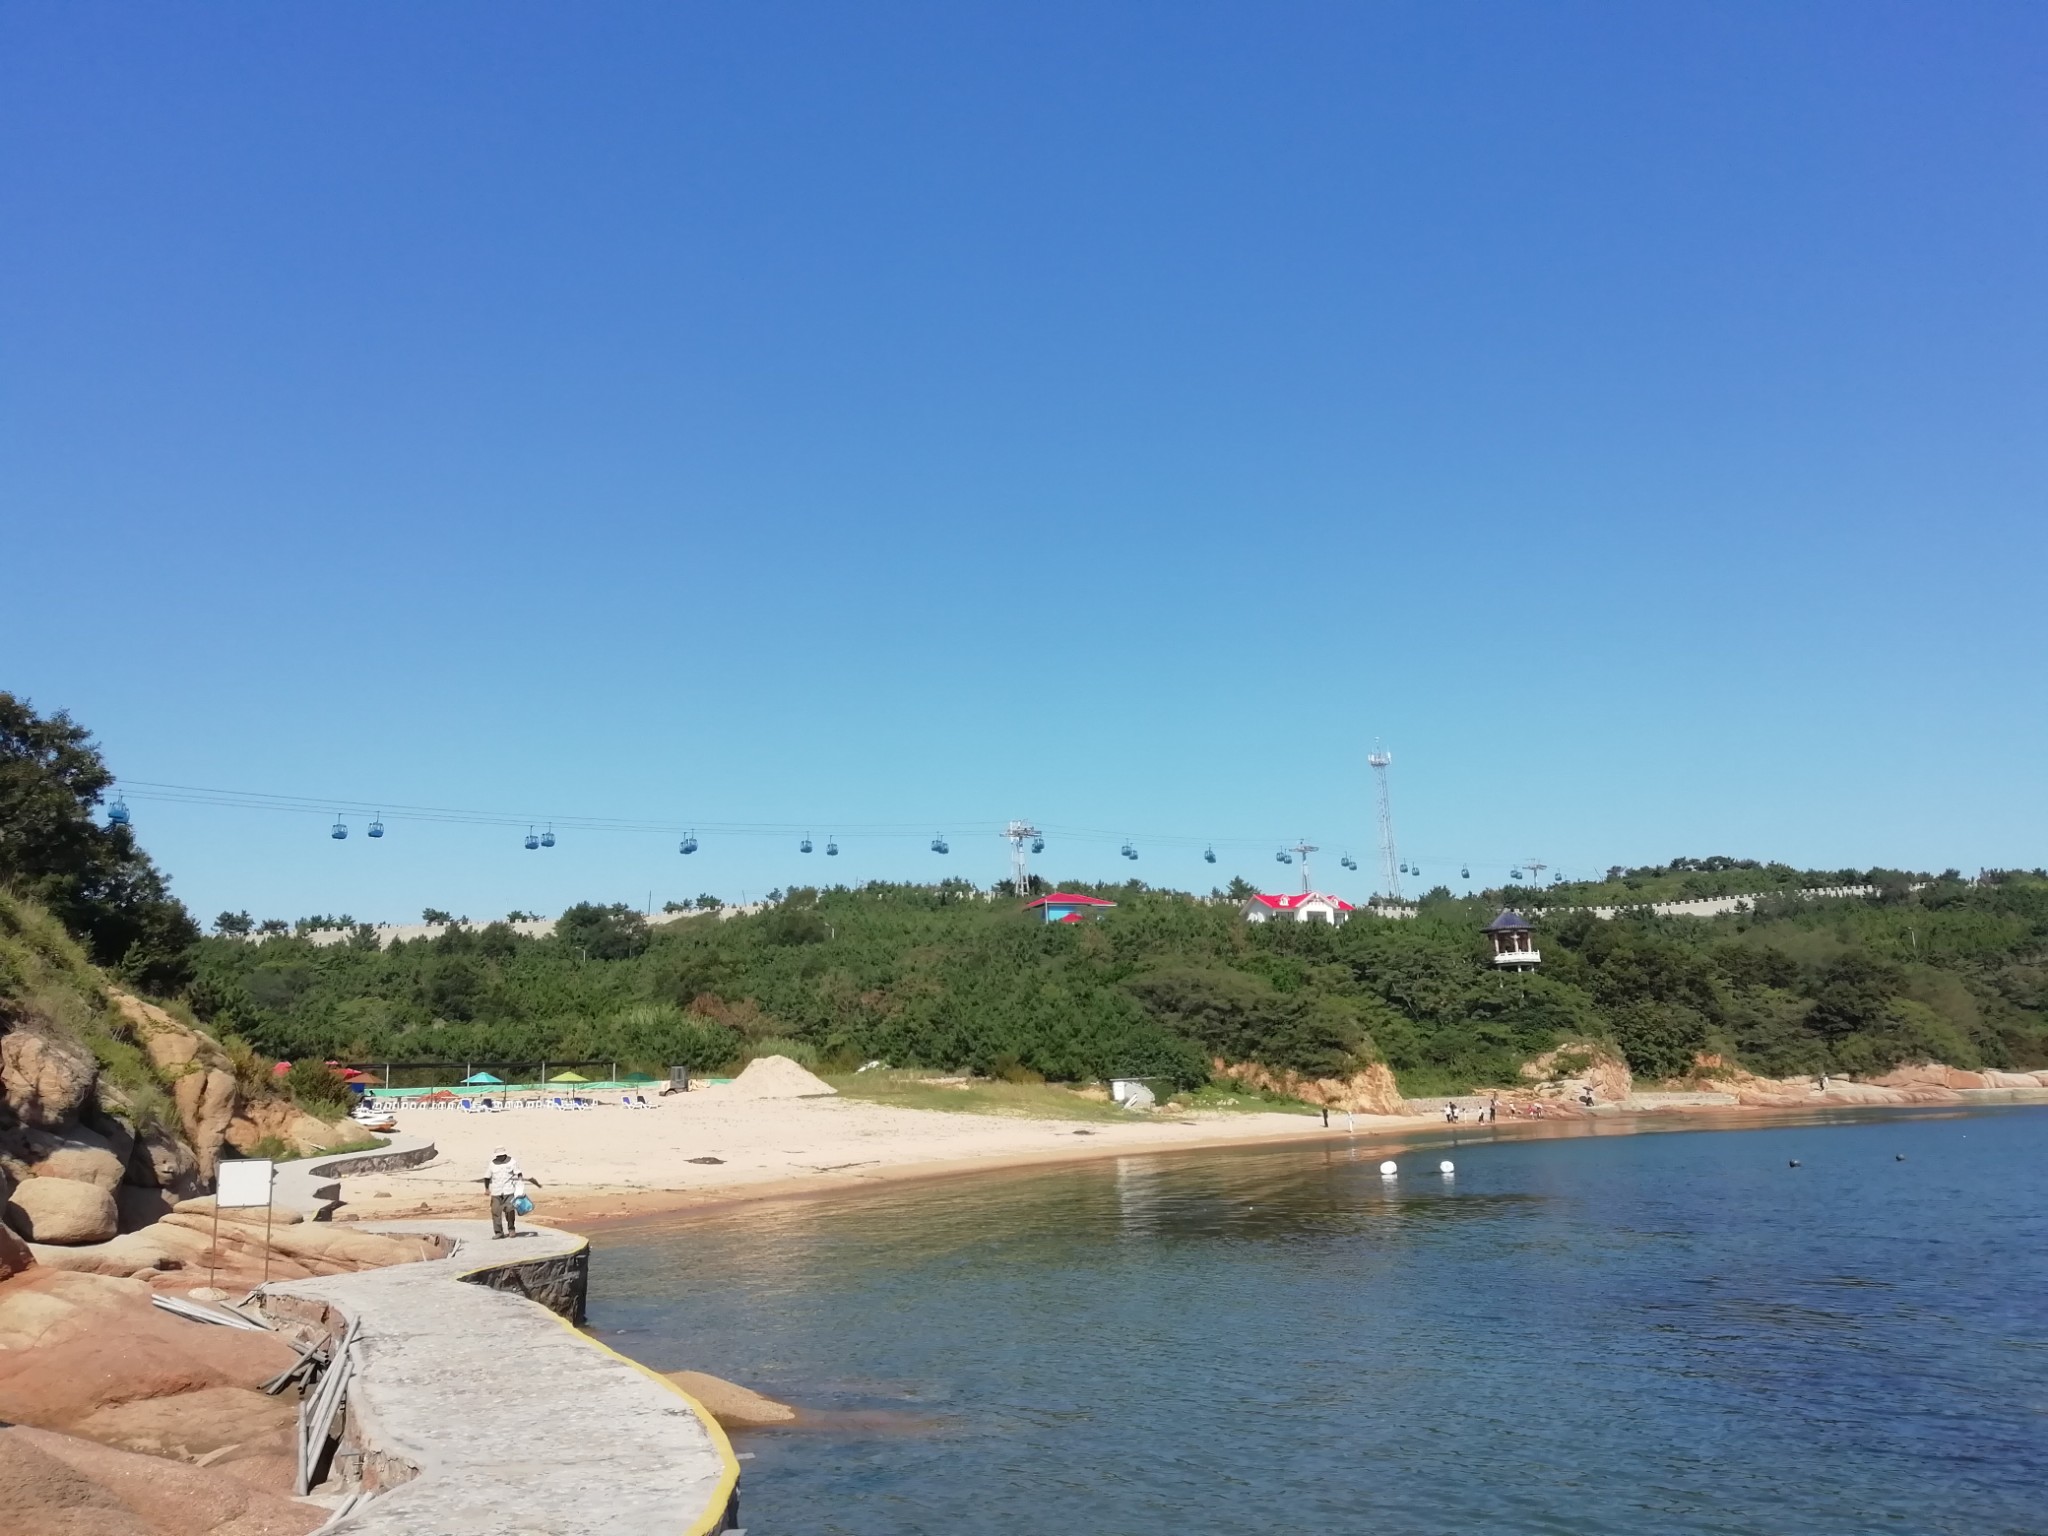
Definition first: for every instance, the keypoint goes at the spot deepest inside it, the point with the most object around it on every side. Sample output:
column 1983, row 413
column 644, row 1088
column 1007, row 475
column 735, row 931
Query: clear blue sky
column 1116, row 415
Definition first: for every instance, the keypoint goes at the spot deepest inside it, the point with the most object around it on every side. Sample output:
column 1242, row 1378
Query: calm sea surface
column 1629, row 1332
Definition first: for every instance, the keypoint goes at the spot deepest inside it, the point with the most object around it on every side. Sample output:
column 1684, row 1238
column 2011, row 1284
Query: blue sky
column 914, row 416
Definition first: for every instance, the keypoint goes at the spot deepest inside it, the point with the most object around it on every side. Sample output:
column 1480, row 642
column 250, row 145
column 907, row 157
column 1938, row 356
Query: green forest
column 1928, row 967
column 957, row 978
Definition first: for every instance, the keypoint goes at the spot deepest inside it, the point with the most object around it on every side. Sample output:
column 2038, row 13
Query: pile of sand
column 777, row 1077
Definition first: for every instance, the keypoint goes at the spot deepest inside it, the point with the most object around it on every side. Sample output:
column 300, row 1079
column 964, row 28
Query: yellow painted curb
column 729, row 1478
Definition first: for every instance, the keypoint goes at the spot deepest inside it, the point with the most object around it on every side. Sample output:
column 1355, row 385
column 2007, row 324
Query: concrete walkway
column 516, row 1423
column 312, row 1186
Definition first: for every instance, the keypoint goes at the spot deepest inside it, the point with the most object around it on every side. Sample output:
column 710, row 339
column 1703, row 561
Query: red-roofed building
column 1068, row 906
column 1303, row 907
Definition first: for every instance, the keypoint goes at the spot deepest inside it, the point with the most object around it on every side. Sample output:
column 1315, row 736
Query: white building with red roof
column 1302, row 907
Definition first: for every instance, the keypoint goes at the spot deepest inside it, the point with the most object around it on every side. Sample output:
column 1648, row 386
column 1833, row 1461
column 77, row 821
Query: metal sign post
column 243, row 1184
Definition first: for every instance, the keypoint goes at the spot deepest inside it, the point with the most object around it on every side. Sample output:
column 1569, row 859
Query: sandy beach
column 609, row 1162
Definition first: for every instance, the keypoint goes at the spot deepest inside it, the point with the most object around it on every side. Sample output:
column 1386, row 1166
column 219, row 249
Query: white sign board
column 243, row 1181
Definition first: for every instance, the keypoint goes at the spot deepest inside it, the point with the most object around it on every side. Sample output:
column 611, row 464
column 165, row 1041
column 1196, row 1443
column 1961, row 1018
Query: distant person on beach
column 505, row 1182
column 1493, row 1109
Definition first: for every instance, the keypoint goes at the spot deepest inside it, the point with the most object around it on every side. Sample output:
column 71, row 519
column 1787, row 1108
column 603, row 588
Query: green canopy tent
column 568, row 1077
column 481, row 1077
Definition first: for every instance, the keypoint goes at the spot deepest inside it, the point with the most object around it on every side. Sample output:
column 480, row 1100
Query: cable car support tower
column 1024, row 840
column 1390, row 864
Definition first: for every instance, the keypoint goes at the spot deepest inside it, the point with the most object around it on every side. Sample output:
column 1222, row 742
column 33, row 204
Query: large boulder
column 44, row 1077
column 282, row 1120
column 189, row 1425
column 66, row 1212
column 1369, row 1091
column 56, row 1485
column 72, row 1153
column 47, row 1307
column 164, row 1160
column 206, row 1104
column 734, row 1406
column 14, row 1254
column 201, row 1076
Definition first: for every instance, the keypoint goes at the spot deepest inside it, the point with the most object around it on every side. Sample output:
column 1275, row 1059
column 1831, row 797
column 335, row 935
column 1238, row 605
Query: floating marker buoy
column 1447, row 1167
column 1793, row 1164
column 1390, row 1168
column 1898, row 1157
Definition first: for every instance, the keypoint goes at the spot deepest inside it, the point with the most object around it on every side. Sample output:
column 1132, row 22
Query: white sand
column 582, row 1157
column 777, row 1077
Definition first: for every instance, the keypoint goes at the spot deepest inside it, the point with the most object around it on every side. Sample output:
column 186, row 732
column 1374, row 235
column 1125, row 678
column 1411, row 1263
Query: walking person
column 505, row 1182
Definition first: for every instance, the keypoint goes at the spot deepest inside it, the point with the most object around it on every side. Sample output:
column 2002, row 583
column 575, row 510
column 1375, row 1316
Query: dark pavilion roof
column 1510, row 921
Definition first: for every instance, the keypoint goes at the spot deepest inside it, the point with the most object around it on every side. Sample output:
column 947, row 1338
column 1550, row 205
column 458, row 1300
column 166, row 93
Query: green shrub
column 318, row 1089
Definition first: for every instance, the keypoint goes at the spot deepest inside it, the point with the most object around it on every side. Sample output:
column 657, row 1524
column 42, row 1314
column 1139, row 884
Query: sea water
column 1617, row 1332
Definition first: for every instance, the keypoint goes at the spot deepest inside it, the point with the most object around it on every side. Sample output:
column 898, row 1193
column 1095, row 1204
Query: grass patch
column 976, row 1096
column 1228, row 1099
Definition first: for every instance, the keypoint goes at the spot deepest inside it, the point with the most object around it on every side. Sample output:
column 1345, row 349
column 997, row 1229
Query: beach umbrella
column 481, row 1077
column 280, row 1069
column 568, row 1077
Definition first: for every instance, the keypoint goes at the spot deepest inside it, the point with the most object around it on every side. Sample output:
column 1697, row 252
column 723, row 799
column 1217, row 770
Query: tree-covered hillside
column 955, row 978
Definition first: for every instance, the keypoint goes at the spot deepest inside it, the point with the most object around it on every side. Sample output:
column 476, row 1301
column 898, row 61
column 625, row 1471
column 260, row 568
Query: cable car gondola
column 1348, row 862
column 1283, row 857
column 547, row 838
column 340, row 829
column 689, row 844
column 117, row 813
column 1209, row 855
column 1514, row 874
column 1127, row 850
column 376, row 828
column 532, row 842
column 1465, row 872
column 1038, row 845
column 831, row 849
column 805, row 845
column 939, row 843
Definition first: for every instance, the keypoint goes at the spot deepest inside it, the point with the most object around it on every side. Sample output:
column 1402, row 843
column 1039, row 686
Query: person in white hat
column 505, row 1182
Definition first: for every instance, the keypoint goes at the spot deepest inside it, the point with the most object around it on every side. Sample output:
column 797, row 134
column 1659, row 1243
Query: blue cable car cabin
column 1127, row 850
column 831, row 849
column 340, row 829
column 1208, row 855
column 547, row 838
column 689, row 844
column 117, row 813
column 1038, row 845
column 939, row 844
column 376, row 828
column 1283, row 857
column 804, row 846
column 531, row 840
column 1465, row 872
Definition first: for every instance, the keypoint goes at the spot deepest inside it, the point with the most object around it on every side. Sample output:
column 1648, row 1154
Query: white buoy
column 1390, row 1168
column 1447, row 1167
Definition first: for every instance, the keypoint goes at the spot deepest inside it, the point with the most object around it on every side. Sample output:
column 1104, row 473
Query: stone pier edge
column 714, row 1517
column 722, row 1508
